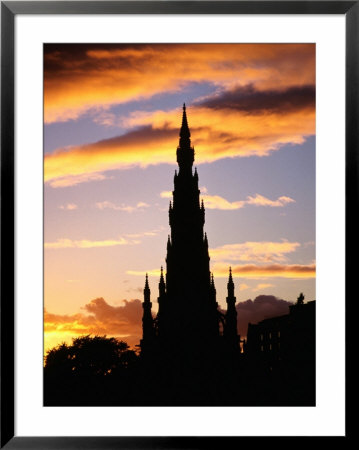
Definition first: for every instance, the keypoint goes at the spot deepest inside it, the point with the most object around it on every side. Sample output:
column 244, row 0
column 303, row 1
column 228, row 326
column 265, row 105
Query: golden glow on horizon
column 98, row 318
column 254, row 271
column 251, row 271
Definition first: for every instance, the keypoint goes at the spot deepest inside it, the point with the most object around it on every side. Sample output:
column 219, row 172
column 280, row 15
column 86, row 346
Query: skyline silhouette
column 190, row 353
column 109, row 166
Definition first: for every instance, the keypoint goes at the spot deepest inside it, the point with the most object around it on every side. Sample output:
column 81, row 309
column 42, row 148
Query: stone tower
column 188, row 315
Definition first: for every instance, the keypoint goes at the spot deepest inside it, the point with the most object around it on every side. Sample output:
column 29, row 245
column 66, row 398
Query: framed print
column 177, row 182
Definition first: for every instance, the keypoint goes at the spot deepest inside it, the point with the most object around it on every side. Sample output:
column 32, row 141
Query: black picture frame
column 9, row 10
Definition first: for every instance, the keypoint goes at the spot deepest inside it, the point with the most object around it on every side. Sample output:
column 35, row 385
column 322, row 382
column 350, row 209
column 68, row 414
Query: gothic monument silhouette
column 189, row 324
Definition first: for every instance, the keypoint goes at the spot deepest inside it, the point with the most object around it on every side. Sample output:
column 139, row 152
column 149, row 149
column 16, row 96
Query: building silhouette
column 283, row 337
column 282, row 349
column 189, row 322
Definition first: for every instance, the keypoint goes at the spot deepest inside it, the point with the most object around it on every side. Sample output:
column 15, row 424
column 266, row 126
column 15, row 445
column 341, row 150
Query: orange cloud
column 69, row 206
column 259, row 200
column 142, row 273
column 258, row 252
column 264, row 251
column 216, row 133
column 109, row 205
column 69, row 243
column 266, row 271
column 243, row 287
column 218, row 202
column 262, row 286
column 74, row 180
column 99, row 318
column 150, row 233
column 83, row 77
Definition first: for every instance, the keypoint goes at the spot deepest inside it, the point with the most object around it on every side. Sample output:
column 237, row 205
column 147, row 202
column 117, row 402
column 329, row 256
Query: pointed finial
column 230, row 279
column 230, row 285
column 161, row 277
column 202, row 204
column 162, row 285
column 146, row 282
column 213, row 287
column 184, row 132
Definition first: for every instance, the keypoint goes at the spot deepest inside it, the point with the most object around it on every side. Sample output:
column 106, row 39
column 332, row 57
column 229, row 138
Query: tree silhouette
column 88, row 355
column 87, row 370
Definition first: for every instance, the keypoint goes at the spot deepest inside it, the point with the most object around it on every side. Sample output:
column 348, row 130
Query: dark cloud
column 139, row 136
column 63, row 57
column 123, row 322
column 251, row 100
column 130, row 312
column 262, row 307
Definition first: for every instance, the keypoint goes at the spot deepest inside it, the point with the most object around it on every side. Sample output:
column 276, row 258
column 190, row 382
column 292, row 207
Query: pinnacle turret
column 147, row 319
column 230, row 285
column 161, row 284
column 206, row 242
column 230, row 328
column 212, row 281
column 147, row 291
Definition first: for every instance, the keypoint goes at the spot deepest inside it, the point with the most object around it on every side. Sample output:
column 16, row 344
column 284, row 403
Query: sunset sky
column 112, row 116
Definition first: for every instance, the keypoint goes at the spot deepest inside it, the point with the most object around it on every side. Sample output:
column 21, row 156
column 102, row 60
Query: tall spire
column 185, row 153
column 187, row 278
column 185, row 134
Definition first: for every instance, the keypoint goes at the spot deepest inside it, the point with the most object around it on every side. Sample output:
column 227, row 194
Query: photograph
column 179, row 224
